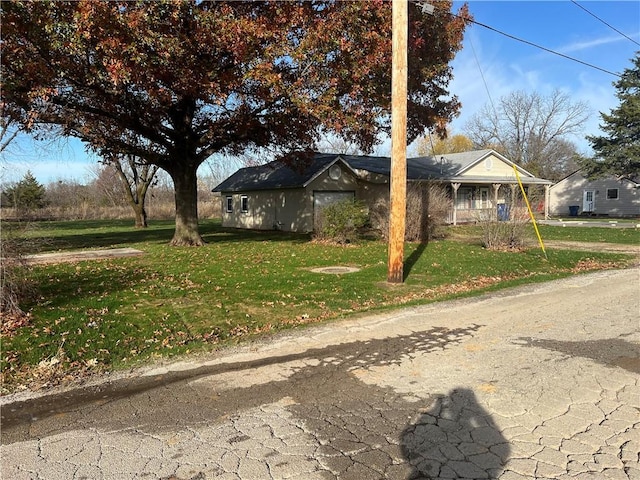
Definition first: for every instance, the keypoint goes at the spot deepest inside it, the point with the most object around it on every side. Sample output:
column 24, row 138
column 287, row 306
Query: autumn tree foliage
column 457, row 143
column 174, row 82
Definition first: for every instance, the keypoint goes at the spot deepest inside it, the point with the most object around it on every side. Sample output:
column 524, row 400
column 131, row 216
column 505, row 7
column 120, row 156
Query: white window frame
column 229, row 204
column 244, row 203
column 617, row 190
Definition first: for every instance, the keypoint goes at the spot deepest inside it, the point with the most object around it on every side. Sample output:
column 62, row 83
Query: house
column 608, row 196
column 288, row 196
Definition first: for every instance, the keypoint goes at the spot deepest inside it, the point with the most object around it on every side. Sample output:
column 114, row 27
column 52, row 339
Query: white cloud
column 585, row 45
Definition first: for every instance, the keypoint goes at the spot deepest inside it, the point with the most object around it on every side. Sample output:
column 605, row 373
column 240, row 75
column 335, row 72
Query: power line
column 527, row 42
column 610, row 26
column 484, row 81
column 513, row 37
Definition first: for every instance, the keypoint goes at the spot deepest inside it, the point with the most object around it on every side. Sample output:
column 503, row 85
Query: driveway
column 537, row 382
column 577, row 222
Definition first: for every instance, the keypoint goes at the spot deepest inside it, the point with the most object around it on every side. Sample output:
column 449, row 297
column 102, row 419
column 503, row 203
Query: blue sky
column 561, row 26
column 506, row 65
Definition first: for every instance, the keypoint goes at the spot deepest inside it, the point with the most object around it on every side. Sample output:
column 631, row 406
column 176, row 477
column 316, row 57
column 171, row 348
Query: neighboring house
column 285, row 197
column 576, row 195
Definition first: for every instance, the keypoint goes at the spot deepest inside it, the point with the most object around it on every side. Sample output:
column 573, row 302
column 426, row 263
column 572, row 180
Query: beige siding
column 268, row 210
column 290, row 210
column 491, row 166
column 570, row 191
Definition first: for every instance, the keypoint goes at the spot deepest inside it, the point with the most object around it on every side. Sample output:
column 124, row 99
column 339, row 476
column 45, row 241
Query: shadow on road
column 455, row 438
column 358, row 426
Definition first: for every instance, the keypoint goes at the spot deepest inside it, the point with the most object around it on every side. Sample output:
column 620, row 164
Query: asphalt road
column 538, row 382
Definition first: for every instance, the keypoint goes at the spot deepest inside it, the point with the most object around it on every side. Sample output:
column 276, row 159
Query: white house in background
column 609, row 196
column 287, row 196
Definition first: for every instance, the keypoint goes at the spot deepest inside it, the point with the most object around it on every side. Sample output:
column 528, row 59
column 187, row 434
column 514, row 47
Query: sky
column 490, row 66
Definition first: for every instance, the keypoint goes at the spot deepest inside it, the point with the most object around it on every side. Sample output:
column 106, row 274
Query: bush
column 340, row 222
column 511, row 233
column 504, row 235
column 428, row 207
column 16, row 287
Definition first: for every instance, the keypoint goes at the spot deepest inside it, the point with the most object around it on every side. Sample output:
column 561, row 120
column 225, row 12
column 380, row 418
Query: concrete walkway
column 80, row 255
column 578, row 222
column 539, row 382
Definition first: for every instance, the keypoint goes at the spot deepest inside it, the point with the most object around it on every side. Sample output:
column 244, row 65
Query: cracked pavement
column 537, row 382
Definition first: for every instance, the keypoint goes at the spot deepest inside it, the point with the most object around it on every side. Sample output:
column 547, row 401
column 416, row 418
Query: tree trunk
column 186, row 195
column 141, row 215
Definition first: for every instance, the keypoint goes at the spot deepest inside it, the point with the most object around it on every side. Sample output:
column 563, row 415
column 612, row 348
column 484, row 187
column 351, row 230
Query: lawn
column 94, row 316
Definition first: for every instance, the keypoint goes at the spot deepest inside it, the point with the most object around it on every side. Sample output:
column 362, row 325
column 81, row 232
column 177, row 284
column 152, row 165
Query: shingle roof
column 278, row 174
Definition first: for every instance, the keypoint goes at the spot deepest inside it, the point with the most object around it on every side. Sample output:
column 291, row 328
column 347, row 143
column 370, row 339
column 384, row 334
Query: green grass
column 630, row 236
column 110, row 314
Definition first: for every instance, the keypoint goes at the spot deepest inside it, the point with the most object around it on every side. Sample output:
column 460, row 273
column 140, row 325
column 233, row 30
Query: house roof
column 278, row 174
column 635, row 180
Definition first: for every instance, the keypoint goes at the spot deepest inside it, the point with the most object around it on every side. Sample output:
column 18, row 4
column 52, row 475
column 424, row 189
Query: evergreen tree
column 28, row 194
column 618, row 151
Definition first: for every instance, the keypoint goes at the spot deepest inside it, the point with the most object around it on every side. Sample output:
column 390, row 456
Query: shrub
column 428, row 207
column 16, row 288
column 511, row 232
column 339, row 222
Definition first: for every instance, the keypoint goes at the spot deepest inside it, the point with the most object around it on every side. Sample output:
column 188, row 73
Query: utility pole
column 398, row 178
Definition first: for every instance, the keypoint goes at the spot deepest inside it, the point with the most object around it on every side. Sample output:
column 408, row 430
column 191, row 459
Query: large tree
column 440, row 146
column 531, row 129
column 26, row 195
column 173, row 82
column 132, row 181
column 618, row 151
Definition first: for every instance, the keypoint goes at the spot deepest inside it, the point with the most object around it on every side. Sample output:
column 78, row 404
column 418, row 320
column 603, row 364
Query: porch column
column 496, row 187
column 547, row 198
column 455, row 187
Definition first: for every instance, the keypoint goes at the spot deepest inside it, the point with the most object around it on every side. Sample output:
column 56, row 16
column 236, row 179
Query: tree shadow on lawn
column 86, row 281
column 211, row 232
column 242, row 235
column 97, row 240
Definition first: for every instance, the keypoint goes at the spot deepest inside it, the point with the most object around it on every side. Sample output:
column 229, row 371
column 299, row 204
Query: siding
column 290, row 210
column 492, row 166
column 570, row 191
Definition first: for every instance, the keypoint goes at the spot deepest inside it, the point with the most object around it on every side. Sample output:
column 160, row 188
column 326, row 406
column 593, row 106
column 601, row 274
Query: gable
column 475, row 166
column 490, row 166
column 277, row 175
column 577, row 178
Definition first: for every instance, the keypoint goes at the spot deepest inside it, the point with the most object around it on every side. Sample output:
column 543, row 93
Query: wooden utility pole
column 398, row 180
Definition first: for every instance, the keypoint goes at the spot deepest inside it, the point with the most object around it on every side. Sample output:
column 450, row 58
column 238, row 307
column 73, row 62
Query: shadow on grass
column 121, row 233
column 410, row 262
column 67, row 285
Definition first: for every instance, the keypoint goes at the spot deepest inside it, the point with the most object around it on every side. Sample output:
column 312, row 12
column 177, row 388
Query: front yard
column 93, row 316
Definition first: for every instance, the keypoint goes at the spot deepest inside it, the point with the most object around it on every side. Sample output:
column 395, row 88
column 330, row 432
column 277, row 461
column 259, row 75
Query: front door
column 588, row 201
column 484, row 198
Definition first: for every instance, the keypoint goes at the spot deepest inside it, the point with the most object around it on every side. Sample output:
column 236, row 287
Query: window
column 244, row 204
column 229, row 204
column 612, row 193
column 464, row 198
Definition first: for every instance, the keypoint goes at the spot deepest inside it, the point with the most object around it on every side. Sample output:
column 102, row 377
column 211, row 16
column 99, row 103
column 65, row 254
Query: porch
column 482, row 202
